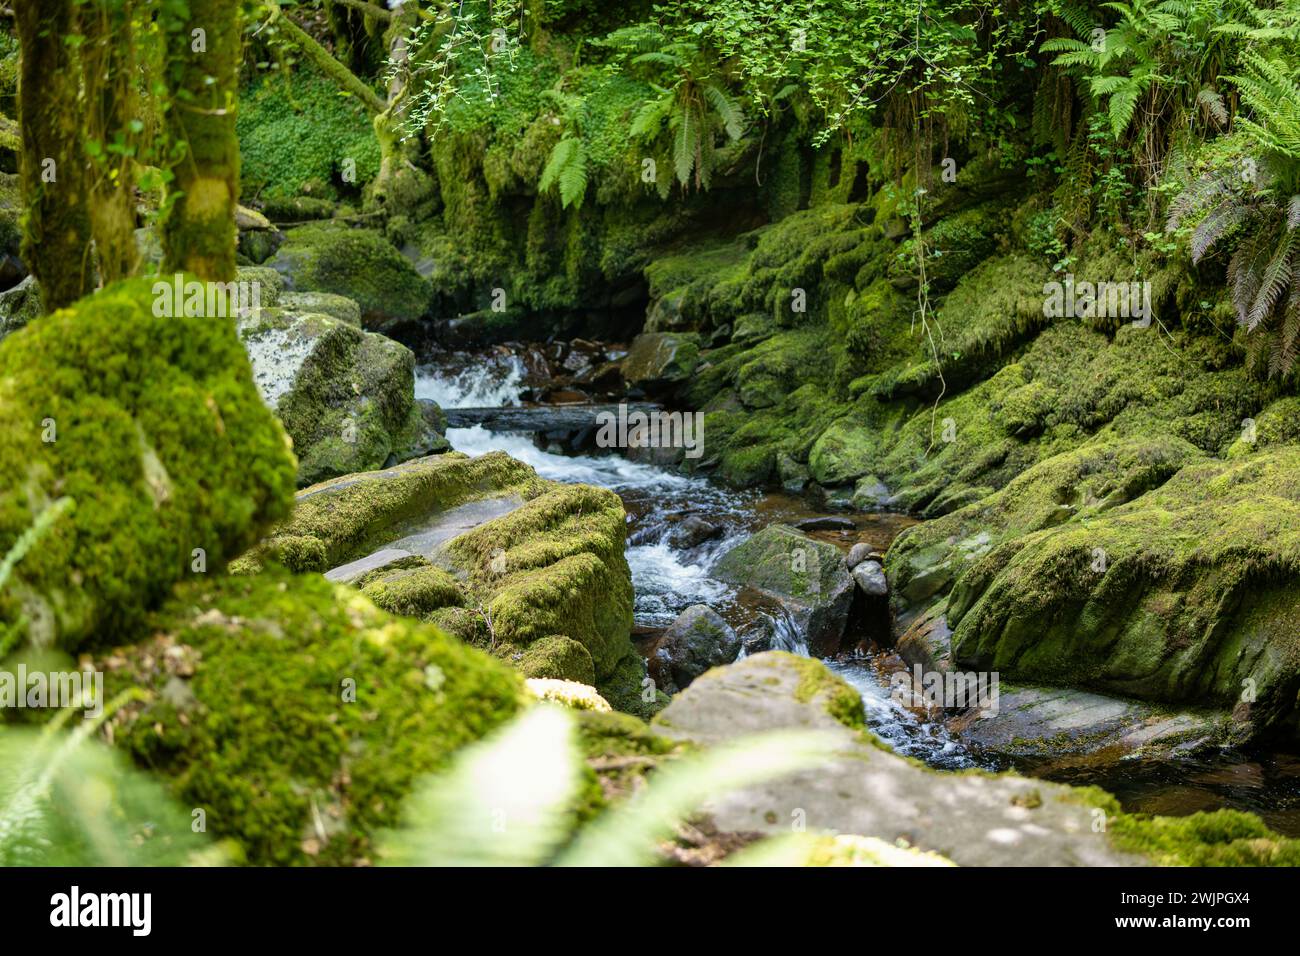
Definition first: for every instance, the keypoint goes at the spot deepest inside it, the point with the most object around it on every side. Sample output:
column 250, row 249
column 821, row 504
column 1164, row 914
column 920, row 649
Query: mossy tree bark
column 203, row 54
column 108, row 63
column 398, row 178
column 53, row 174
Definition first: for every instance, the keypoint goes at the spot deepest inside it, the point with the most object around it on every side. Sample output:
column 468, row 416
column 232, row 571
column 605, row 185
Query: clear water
column 667, row 580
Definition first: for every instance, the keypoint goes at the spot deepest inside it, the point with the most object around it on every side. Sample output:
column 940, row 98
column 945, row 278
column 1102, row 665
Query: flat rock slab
column 427, row 537
column 1063, row 722
column 972, row 818
column 347, row 573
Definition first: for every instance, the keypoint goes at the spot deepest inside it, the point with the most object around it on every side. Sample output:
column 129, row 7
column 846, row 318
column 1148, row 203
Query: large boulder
column 154, row 428
column 1184, row 594
column 658, row 358
column 698, row 640
column 346, row 397
column 295, row 714
column 358, row 263
column 486, row 549
column 973, row 819
column 809, row 578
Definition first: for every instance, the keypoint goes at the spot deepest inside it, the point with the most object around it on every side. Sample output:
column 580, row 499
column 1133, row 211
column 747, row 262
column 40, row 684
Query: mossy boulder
column 346, row 397
column 357, row 263
column 296, row 714
column 808, row 578
column 323, row 303
column 1186, row 593
column 155, row 429
column 656, row 358
column 523, row 560
column 19, row 306
column 699, row 639
column 558, row 658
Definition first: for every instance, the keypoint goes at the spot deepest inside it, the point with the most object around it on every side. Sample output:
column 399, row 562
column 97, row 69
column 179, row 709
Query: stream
column 668, row 577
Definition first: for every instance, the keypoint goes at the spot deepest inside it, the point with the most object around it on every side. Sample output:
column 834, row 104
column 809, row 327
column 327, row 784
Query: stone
column 859, row 553
column 19, row 305
column 692, row 531
column 658, row 358
column 826, row 523
column 809, row 578
column 794, row 477
column 698, row 640
column 868, row 790
column 870, row 578
column 1061, row 725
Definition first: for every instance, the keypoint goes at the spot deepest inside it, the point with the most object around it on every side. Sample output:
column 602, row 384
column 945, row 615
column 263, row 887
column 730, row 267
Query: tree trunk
column 56, row 232
column 202, row 59
column 109, row 69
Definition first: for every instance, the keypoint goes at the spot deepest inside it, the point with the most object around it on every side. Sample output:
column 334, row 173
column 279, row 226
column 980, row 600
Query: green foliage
column 66, row 800
column 297, row 134
column 567, row 165
column 511, row 799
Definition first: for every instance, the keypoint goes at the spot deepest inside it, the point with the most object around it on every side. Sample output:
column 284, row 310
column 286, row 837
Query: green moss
column 297, row 135
column 556, row 566
column 415, row 592
column 250, row 717
column 357, row 263
column 840, row 700
column 557, row 657
column 356, row 514
column 154, row 427
column 1192, row 600
column 1220, row 838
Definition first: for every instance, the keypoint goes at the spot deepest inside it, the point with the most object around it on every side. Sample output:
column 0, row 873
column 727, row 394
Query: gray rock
column 870, row 494
column 809, row 578
column 866, row 789
column 19, row 305
column 859, row 553
column 870, row 576
column 660, row 358
column 793, row 475
column 1061, row 723
column 826, row 523
column 692, row 531
column 698, row 640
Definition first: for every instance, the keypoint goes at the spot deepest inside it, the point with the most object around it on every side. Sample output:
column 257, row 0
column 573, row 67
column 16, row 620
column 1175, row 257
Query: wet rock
column 658, row 358
column 859, row 553
column 794, row 476
column 927, row 640
column 1057, row 723
column 826, row 523
column 12, row 270
column 258, row 238
column 809, row 578
column 19, row 305
column 870, row 494
column 870, row 577
column 323, row 303
column 868, row 790
column 698, row 640
column 346, row 397
column 692, row 531
column 758, row 637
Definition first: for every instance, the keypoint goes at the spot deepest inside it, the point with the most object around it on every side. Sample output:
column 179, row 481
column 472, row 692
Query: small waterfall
column 489, row 381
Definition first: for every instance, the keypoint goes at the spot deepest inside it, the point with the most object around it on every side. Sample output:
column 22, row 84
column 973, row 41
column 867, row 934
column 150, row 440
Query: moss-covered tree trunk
column 202, row 60
column 108, row 61
column 56, row 232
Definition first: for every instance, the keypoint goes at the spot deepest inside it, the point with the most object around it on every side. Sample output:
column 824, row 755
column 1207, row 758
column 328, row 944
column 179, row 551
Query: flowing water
column 668, row 578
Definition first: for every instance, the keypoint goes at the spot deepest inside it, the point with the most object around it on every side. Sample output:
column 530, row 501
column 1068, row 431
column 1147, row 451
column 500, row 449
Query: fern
column 508, row 800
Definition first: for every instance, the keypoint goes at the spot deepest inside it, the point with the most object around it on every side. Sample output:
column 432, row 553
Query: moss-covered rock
column 19, row 306
column 357, row 263
column 323, row 303
column 153, row 426
column 808, row 578
column 346, row 397
column 1185, row 593
column 656, row 358
column 296, row 714
column 557, row 657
